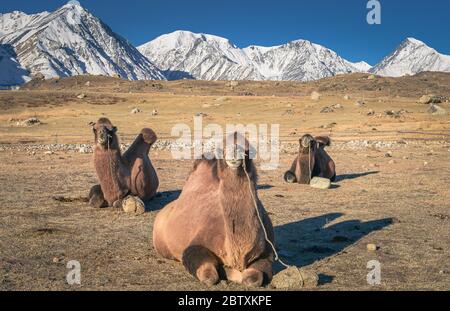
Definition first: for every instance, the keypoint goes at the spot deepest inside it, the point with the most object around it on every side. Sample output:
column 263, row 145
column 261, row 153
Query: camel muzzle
column 235, row 163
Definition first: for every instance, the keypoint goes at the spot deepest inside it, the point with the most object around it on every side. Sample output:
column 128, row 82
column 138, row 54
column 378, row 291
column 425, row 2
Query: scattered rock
column 83, row 150
column 48, row 152
column 320, row 183
column 337, row 106
column 395, row 114
column 329, row 126
column 388, row 155
column 432, row 99
column 55, row 260
column 347, row 97
column 88, row 84
column 288, row 112
column 234, row 83
column 315, row 95
column 360, row 103
column 327, row 110
column 372, row 247
column 81, row 96
column 436, row 110
column 391, row 162
column 295, row 278
column 371, row 112
column 155, row 112
column 222, row 99
column 201, row 114
column 371, row 77
column 31, row 122
column 206, row 106
column 135, row 111
column 133, row 205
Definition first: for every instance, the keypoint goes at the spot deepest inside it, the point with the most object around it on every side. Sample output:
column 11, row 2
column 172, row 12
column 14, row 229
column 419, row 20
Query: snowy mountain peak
column 413, row 41
column 208, row 57
column 411, row 57
column 71, row 41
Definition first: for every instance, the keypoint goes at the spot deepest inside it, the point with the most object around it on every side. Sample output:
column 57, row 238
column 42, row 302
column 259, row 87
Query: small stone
column 295, row 278
column 392, row 162
column 320, row 183
column 83, row 150
column 155, row 112
column 371, row 77
column 136, row 110
column 360, row 103
column 222, row 99
column 388, row 155
column 30, row 122
column 88, row 83
column 347, row 97
column 81, row 96
column 372, row 247
column 425, row 163
column 132, row 204
column 436, row 110
column 55, row 260
column 315, row 95
column 48, row 152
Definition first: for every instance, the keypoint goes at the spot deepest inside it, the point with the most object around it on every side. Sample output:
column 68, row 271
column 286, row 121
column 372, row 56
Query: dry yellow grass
column 400, row 203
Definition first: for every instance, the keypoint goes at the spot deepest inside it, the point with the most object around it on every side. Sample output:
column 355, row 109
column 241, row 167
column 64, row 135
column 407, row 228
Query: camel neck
column 240, row 218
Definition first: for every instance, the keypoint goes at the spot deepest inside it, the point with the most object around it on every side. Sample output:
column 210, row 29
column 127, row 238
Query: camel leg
column 290, row 177
column 201, row 263
column 96, row 198
column 258, row 273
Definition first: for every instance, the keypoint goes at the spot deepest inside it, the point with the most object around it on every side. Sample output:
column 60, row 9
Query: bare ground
column 399, row 202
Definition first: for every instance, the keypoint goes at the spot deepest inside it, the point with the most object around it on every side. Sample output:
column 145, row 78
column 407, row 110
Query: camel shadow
column 161, row 199
column 354, row 176
column 264, row 187
column 303, row 242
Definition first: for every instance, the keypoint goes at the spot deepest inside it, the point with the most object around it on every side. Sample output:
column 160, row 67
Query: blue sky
column 337, row 24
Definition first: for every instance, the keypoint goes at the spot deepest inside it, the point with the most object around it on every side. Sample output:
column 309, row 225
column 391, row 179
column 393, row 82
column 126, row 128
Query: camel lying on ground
column 213, row 227
column 312, row 161
column 120, row 175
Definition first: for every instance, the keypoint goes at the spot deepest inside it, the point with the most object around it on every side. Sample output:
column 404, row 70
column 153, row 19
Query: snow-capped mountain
column 208, row 57
column 71, row 41
column 411, row 57
column 299, row 60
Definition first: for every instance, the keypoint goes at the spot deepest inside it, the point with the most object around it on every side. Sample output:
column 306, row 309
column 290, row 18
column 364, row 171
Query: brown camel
column 312, row 161
column 213, row 227
column 119, row 176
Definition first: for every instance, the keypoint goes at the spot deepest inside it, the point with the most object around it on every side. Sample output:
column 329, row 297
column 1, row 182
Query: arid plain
column 391, row 153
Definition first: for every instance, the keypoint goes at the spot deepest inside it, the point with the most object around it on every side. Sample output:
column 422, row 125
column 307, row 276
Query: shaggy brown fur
column 312, row 161
column 213, row 226
column 120, row 175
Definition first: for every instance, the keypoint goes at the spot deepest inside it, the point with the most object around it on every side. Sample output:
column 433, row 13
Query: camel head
column 105, row 134
column 236, row 157
column 307, row 150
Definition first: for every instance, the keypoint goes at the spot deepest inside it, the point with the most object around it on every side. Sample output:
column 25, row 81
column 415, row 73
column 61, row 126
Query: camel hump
column 324, row 141
column 149, row 136
column 104, row 121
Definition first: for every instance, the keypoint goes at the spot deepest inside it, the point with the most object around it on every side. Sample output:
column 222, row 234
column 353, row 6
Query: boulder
column 320, row 183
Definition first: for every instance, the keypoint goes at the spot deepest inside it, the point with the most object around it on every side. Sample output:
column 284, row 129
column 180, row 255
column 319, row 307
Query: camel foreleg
column 201, row 263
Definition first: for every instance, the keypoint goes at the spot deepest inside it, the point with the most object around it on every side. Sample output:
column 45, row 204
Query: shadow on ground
column 354, row 176
column 303, row 242
column 161, row 199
